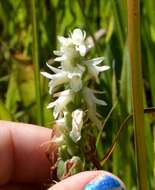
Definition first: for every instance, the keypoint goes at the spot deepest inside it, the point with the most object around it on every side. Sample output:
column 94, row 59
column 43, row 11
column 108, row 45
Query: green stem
column 36, row 65
column 137, row 90
column 115, row 158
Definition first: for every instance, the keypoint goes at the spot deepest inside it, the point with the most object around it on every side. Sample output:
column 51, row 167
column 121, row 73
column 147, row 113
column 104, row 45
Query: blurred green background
column 18, row 84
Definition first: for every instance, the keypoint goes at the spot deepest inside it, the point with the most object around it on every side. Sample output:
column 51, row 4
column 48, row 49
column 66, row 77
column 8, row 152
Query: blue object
column 105, row 182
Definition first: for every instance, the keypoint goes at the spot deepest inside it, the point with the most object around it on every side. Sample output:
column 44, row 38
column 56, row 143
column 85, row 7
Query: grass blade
column 137, row 90
column 36, row 64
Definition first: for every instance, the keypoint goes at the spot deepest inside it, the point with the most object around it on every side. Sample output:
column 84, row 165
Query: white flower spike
column 74, row 74
column 76, row 104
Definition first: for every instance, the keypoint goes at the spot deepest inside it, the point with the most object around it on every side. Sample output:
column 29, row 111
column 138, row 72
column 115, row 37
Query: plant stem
column 36, row 65
column 137, row 90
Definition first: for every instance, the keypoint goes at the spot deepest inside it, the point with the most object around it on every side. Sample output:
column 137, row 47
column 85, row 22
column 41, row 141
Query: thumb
column 90, row 180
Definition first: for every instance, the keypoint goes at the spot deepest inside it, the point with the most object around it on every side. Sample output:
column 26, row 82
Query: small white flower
column 60, row 104
column 73, row 77
column 93, row 69
column 76, row 82
column 67, row 50
column 91, row 102
column 65, row 42
column 77, row 123
column 56, row 79
column 70, row 48
column 91, row 98
column 78, row 38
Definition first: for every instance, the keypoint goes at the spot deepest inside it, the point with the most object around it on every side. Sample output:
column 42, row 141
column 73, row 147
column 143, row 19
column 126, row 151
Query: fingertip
column 90, row 180
column 76, row 182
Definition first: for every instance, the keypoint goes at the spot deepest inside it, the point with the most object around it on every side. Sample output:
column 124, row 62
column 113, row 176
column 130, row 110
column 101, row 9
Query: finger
column 76, row 182
column 21, row 157
column 92, row 180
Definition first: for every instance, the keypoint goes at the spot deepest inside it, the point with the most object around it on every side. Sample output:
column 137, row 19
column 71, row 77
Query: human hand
column 24, row 166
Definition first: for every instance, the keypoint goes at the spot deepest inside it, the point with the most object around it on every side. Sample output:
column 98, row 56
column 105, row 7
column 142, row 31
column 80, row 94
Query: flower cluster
column 73, row 76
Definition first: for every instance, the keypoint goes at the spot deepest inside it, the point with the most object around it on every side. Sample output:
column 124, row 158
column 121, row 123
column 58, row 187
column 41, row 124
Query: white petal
column 82, row 49
column 76, row 83
column 91, row 98
column 66, row 93
column 51, row 105
column 102, row 68
column 58, row 53
column 88, row 96
column 59, row 107
column 98, row 101
column 78, row 36
column 62, row 40
column 55, row 70
column 91, row 104
column 59, row 59
column 60, row 104
column 76, row 136
column 95, row 61
column 59, row 79
column 47, row 75
column 65, row 41
column 93, row 71
column 77, row 123
column 64, row 98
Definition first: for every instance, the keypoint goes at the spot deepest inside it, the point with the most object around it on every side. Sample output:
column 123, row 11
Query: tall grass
column 21, row 94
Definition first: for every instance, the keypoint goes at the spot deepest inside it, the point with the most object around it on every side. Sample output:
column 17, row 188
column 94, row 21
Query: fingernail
column 105, row 181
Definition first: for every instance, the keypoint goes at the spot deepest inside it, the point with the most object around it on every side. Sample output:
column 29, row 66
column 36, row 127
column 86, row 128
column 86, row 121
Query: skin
column 23, row 164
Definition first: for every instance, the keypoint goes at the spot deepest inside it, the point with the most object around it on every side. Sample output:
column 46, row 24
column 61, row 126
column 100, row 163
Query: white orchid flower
column 75, row 81
column 65, row 42
column 78, row 38
column 60, row 104
column 56, row 79
column 71, row 71
column 91, row 102
column 74, row 78
column 77, row 123
column 93, row 69
column 91, row 98
column 67, row 49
